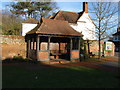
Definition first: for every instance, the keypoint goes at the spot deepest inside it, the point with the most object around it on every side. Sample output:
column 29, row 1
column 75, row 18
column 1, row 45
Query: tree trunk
column 99, row 35
column 99, row 55
column 88, row 48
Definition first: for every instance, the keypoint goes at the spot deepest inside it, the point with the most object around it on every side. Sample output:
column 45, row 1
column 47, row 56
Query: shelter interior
column 48, row 47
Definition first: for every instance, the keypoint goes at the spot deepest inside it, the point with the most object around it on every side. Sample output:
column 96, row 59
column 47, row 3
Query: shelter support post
column 37, row 46
column 71, row 49
column 49, row 46
column 28, row 48
column 33, row 43
column 79, row 47
column 59, row 47
column 30, row 44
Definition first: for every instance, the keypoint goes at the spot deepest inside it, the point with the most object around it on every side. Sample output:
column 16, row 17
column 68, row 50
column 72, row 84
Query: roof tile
column 50, row 26
column 71, row 17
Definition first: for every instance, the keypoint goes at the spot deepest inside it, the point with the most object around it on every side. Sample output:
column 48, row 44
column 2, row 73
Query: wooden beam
column 49, row 38
column 33, row 43
column 71, row 41
column 55, row 35
column 28, row 48
column 37, row 46
column 71, row 48
column 59, row 47
column 79, row 47
column 30, row 44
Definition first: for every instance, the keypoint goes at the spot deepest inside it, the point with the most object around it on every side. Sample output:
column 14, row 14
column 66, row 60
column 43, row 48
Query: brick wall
column 94, row 48
column 12, row 46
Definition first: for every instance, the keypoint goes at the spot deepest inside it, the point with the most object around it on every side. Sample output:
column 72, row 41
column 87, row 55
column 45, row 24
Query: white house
column 116, row 40
column 28, row 25
column 81, row 22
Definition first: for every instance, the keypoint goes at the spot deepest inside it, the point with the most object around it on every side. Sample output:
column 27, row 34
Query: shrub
column 18, row 58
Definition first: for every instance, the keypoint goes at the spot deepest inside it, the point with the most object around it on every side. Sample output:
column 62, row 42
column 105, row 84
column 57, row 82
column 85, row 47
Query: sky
column 66, row 5
column 70, row 6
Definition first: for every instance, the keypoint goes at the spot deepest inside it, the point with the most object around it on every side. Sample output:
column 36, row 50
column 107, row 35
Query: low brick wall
column 94, row 48
column 11, row 39
column 12, row 46
column 75, row 54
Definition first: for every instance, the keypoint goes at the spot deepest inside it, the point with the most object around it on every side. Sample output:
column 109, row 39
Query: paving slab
column 109, row 64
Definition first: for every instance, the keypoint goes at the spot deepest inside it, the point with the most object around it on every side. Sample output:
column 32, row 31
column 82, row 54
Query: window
column 118, row 37
column 115, row 37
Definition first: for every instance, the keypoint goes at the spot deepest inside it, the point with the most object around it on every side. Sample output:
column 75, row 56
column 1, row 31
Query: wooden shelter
column 50, row 34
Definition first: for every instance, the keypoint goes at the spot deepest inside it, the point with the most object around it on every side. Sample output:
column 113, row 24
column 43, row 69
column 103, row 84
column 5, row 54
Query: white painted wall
column 86, row 26
column 26, row 27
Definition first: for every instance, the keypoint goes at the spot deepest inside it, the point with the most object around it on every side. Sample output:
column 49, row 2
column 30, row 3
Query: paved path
column 117, row 54
column 110, row 64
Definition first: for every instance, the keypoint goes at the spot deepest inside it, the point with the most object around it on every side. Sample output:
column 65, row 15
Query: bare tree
column 104, row 16
column 11, row 25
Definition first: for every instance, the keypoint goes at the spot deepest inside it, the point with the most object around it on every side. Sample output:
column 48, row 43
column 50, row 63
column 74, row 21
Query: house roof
column 51, row 26
column 71, row 17
column 118, row 32
column 31, row 20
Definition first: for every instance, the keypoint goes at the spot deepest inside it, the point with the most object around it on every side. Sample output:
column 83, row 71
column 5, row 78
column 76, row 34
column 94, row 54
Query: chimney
column 85, row 7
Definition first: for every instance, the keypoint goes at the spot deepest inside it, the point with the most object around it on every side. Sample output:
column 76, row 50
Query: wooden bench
column 55, row 53
column 91, row 54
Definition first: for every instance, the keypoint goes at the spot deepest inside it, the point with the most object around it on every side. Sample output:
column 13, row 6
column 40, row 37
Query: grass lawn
column 53, row 77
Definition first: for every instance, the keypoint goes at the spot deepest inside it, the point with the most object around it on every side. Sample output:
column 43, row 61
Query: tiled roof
column 50, row 26
column 71, row 17
column 31, row 20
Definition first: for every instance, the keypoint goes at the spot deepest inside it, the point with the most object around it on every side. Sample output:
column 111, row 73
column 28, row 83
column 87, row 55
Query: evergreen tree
column 33, row 9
